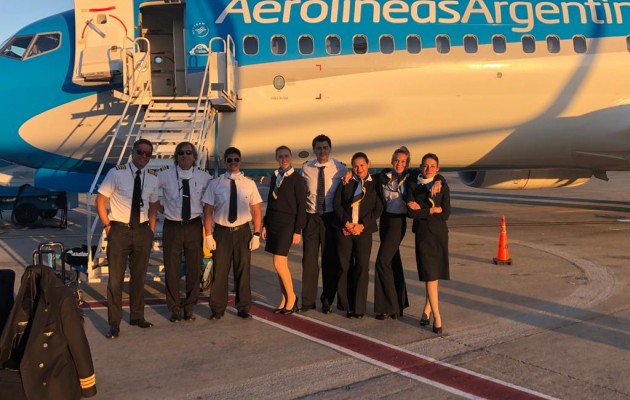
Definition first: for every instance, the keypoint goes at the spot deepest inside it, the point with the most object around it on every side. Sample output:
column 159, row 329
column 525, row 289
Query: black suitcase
column 7, row 282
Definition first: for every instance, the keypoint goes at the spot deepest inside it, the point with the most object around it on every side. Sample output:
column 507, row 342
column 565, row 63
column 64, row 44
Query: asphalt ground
column 555, row 323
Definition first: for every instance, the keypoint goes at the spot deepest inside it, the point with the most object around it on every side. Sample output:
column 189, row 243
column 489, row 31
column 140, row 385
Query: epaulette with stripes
column 121, row 167
column 152, row 172
column 164, row 168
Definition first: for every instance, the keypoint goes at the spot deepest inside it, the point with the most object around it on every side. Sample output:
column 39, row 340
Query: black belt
column 190, row 221
column 125, row 225
column 232, row 228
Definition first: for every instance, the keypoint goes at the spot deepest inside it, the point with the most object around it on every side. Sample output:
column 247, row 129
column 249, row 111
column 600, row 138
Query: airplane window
column 414, row 44
column 16, row 47
column 250, row 45
column 333, row 44
column 442, row 44
column 553, row 44
column 387, row 44
column 359, row 44
column 470, row 44
column 305, row 43
column 579, row 44
column 529, row 44
column 498, row 44
column 44, row 43
column 278, row 45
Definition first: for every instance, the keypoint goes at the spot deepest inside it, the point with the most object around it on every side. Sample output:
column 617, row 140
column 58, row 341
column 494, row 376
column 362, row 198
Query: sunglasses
column 143, row 153
column 231, row 160
column 187, row 152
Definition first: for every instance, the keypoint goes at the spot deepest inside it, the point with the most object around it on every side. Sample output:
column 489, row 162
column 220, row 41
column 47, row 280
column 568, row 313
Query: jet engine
column 525, row 178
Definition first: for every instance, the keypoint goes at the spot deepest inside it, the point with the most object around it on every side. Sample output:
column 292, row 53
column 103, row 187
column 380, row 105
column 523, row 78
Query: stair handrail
column 138, row 91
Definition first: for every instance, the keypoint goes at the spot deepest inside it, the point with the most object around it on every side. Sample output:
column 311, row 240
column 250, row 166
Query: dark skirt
column 432, row 257
column 280, row 229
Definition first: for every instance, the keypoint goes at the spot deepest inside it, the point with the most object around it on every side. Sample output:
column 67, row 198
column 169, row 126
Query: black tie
column 186, row 200
column 136, row 199
column 320, row 200
column 232, row 210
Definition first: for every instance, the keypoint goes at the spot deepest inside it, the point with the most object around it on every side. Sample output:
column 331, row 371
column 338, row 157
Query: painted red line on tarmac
column 440, row 373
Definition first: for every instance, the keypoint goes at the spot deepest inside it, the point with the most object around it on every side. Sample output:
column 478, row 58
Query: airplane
column 511, row 94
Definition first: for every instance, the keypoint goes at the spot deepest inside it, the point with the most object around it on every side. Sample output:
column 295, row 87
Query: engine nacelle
column 525, row 178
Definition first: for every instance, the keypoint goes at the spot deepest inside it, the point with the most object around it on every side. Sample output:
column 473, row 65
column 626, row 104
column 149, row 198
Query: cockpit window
column 44, row 43
column 27, row 46
column 16, row 46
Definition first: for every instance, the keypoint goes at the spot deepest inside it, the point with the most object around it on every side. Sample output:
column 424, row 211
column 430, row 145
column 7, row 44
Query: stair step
column 160, row 136
column 175, row 106
column 169, row 125
column 173, row 116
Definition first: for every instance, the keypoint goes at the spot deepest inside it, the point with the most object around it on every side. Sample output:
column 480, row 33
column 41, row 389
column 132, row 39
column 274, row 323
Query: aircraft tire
column 25, row 214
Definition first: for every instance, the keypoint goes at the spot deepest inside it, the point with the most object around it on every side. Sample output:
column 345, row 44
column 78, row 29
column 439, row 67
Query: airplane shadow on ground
column 552, row 201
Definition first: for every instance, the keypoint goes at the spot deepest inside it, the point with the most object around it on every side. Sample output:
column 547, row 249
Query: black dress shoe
column 437, row 330
column 304, row 308
column 381, row 317
column 216, row 315
column 140, row 323
column 357, row 316
column 189, row 316
column 175, row 317
column 326, row 309
column 113, row 332
column 244, row 314
column 289, row 311
column 424, row 321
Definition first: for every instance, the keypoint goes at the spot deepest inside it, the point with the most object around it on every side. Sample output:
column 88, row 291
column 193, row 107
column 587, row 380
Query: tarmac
column 554, row 324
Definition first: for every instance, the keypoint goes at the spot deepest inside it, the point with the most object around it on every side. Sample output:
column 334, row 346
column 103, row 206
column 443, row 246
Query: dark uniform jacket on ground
column 45, row 340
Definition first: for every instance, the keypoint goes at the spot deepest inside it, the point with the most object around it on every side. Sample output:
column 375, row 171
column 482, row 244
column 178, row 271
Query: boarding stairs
column 165, row 121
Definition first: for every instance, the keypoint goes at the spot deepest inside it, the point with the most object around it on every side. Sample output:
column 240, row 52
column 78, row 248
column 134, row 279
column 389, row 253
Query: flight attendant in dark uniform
column 230, row 203
column 357, row 207
column 183, row 186
column 283, row 223
column 131, row 191
column 390, row 291
column 429, row 213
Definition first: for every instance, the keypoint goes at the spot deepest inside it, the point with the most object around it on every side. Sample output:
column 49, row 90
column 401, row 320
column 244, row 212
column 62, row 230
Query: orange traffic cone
column 503, row 255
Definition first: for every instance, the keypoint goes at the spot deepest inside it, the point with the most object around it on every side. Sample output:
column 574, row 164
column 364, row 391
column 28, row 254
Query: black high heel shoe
column 289, row 311
column 437, row 330
column 279, row 310
column 424, row 321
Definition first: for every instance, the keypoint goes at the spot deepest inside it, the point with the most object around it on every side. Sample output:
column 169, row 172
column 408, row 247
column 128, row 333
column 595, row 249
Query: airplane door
column 163, row 26
column 101, row 29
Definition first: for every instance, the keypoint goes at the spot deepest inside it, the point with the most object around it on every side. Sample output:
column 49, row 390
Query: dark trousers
column 125, row 244
column 354, row 262
column 186, row 239
column 232, row 249
column 390, row 291
column 319, row 238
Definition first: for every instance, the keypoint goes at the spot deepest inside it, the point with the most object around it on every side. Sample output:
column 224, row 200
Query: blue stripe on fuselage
column 35, row 85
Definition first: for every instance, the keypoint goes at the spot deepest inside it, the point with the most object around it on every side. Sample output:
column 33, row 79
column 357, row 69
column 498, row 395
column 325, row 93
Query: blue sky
column 14, row 14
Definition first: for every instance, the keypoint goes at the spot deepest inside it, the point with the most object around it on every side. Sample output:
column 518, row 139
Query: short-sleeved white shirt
column 218, row 196
column 118, row 187
column 170, row 181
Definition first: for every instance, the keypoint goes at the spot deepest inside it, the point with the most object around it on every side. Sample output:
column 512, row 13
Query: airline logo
column 522, row 16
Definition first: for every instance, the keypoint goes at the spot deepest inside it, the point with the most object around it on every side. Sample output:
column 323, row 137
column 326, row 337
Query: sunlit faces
column 141, row 155
column 360, row 167
column 232, row 163
column 400, row 162
column 322, row 151
column 185, row 157
column 429, row 168
column 284, row 158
